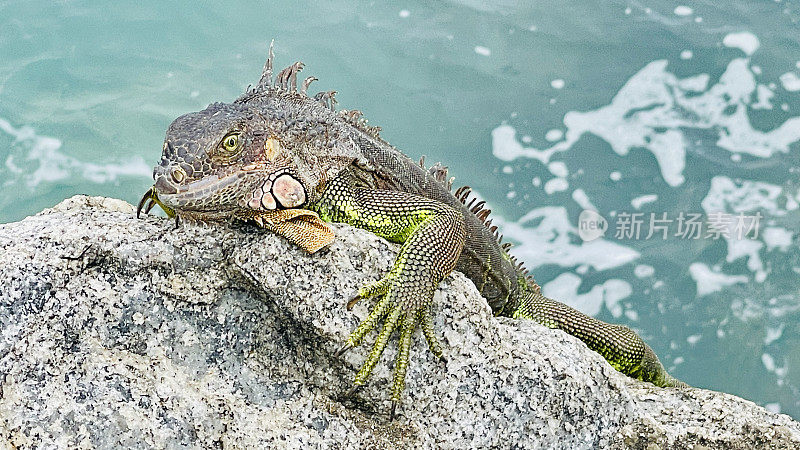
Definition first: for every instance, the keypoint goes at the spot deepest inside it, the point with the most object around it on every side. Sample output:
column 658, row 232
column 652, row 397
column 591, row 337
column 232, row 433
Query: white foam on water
column 790, row 81
column 749, row 198
column 582, row 200
column 763, row 97
column 482, row 50
column 565, row 288
column 505, row 146
column 36, row 159
column 792, row 201
column 682, row 10
column 777, row 237
column 727, row 195
column 558, row 83
column 404, row 13
column 773, row 334
column 642, row 200
column 709, row 281
column 551, row 136
column 744, row 41
column 773, row 407
column 769, row 364
column 655, row 110
column 557, row 184
column 687, row 54
column 558, row 168
column 774, row 308
column 643, row 271
column 615, row 176
column 546, row 236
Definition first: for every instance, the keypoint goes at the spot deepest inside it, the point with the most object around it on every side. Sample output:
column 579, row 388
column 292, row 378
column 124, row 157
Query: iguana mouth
column 303, row 227
column 195, row 196
column 213, row 191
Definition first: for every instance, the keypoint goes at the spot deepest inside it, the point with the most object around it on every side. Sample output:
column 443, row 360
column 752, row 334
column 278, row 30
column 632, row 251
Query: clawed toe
column 352, row 390
column 400, row 311
column 146, row 203
column 343, row 349
column 352, row 302
column 149, row 201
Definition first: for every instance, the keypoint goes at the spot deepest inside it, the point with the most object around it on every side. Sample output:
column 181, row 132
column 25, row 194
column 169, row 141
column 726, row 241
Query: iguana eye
column 231, row 142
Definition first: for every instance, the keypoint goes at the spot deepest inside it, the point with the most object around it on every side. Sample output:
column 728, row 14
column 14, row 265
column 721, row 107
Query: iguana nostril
column 288, row 191
column 178, row 175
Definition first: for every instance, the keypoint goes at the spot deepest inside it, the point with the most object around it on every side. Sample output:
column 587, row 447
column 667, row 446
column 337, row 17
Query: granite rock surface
column 118, row 332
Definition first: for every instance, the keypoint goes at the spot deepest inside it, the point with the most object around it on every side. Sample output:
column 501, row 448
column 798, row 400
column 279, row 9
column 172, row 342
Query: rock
column 118, row 332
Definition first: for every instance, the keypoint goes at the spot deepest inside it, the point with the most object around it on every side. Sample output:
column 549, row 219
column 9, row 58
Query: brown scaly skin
column 291, row 163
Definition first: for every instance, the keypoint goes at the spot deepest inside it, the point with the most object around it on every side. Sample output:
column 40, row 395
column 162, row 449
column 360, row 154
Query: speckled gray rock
column 119, row 332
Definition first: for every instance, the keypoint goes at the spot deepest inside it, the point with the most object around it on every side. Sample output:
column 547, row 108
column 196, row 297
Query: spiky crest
column 265, row 82
column 307, row 82
column 286, row 81
column 482, row 213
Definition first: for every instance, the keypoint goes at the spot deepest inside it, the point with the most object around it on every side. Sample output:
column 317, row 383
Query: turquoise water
column 546, row 110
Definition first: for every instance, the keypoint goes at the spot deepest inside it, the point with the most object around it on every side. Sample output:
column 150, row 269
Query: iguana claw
column 145, row 203
column 150, row 200
column 399, row 308
column 353, row 302
column 352, row 390
column 343, row 349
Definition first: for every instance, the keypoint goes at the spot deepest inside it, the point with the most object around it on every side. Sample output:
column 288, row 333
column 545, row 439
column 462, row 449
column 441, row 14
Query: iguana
column 291, row 163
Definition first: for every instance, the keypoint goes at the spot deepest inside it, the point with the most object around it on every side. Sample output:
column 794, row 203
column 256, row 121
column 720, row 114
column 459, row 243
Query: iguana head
column 227, row 160
column 269, row 151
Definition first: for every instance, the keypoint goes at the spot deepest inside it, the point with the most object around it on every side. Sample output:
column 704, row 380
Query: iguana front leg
column 432, row 234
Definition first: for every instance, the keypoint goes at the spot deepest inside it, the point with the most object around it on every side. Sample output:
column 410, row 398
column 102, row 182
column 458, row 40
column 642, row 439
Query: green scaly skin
column 432, row 235
column 618, row 344
column 276, row 150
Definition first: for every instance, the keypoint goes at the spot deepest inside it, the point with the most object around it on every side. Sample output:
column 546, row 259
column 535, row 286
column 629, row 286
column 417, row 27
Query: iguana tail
column 618, row 344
